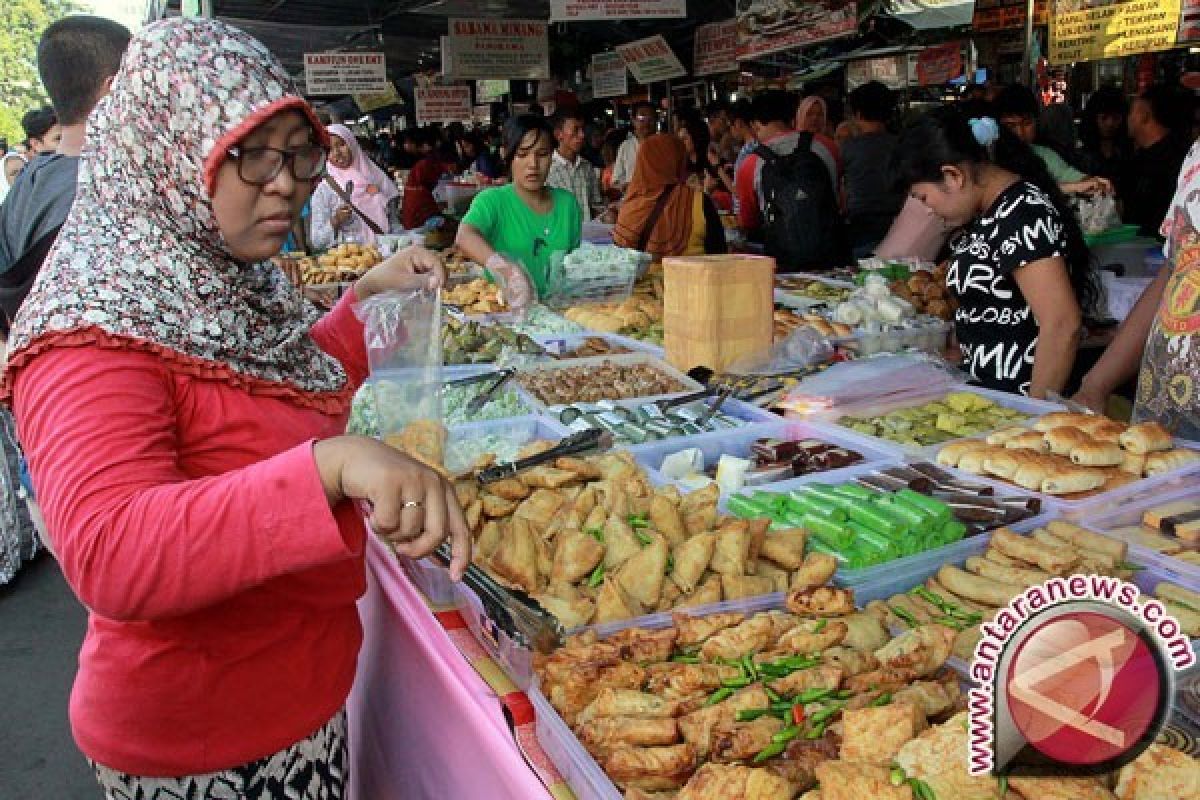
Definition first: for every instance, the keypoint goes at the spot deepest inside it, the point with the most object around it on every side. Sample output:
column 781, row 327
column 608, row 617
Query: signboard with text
column 1006, row 15
column 580, row 10
column 939, row 64
column 443, row 104
column 651, row 60
column 370, row 102
column 1111, row 29
column 610, row 77
column 490, row 49
column 345, row 73
column 716, row 48
column 788, row 24
column 491, row 91
column 1189, row 21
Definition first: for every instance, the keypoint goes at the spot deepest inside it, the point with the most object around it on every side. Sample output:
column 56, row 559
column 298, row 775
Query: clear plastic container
column 887, row 571
column 928, row 338
column 566, row 343
column 577, row 766
column 1107, row 517
column 1026, row 405
column 735, row 415
column 738, row 443
column 511, row 400
column 686, row 384
column 459, row 196
column 1187, row 475
column 514, row 658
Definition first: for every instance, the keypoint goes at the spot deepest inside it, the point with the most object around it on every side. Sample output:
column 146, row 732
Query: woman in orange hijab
column 661, row 215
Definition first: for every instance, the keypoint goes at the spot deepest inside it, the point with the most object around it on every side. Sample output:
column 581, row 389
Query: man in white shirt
column 645, row 123
column 569, row 170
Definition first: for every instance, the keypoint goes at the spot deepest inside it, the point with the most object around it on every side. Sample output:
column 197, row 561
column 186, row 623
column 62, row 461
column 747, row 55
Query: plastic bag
column 402, row 332
column 1097, row 213
column 803, row 348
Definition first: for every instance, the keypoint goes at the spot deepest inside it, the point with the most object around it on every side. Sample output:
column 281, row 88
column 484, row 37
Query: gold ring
column 413, row 504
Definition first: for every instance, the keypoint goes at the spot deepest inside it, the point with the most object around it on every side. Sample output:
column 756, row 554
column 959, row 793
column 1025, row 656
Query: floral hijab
column 140, row 262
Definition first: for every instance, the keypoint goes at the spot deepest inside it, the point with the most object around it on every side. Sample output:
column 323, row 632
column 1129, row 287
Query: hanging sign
column 491, row 91
column 489, row 49
column 1189, row 21
column 716, row 48
column 1006, row 15
column 891, row 71
column 369, row 102
column 1111, row 29
column 580, row 10
column 939, row 64
column 443, row 104
column 651, row 60
column 786, row 24
column 345, row 73
column 610, row 78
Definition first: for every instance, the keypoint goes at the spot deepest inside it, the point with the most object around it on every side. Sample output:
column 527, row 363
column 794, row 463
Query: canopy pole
column 1027, row 61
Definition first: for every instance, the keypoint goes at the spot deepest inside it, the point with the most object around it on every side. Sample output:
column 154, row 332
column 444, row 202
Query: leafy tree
column 22, row 23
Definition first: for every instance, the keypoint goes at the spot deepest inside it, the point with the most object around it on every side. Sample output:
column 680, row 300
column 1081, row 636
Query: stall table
column 424, row 721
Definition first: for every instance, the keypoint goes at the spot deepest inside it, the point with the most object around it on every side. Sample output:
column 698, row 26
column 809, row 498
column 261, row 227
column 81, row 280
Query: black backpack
column 802, row 226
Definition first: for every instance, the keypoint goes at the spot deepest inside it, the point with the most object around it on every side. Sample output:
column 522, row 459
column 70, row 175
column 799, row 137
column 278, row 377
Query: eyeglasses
column 259, row 166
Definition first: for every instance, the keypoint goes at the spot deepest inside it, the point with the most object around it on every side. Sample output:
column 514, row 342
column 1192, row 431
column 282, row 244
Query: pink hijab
column 806, row 104
column 373, row 189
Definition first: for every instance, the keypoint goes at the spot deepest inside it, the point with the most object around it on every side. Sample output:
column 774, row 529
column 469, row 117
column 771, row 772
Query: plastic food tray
column 1187, row 475
column 1145, row 579
column 931, row 338
column 747, row 413
column 1104, row 517
column 577, row 766
column 527, row 405
column 568, row 342
column 1026, row 405
column 686, row 384
column 737, row 442
column 887, row 571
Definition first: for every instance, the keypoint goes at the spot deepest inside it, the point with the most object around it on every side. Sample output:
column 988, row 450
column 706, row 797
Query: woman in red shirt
column 419, row 204
column 182, row 409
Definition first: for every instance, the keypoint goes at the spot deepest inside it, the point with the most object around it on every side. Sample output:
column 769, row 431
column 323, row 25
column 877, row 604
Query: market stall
column 884, row 509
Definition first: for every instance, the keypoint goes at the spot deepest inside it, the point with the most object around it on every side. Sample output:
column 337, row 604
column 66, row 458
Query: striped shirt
column 581, row 180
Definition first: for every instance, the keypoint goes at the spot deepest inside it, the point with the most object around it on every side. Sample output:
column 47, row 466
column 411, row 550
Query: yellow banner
column 1111, row 29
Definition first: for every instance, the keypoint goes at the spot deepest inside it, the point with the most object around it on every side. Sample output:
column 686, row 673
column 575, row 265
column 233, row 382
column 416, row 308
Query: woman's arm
column 1123, row 357
column 137, row 538
column 471, row 242
column 1047, row 289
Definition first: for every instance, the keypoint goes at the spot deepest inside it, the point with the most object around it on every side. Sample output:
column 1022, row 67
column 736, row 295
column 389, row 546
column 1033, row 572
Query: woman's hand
column 1093, row 397
column 407, row 270
column 1090, row 186
column 341, row 216
column 518, row 289
column 412, row 507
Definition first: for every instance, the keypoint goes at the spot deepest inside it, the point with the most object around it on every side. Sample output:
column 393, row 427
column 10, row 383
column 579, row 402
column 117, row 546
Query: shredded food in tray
column 606, row 381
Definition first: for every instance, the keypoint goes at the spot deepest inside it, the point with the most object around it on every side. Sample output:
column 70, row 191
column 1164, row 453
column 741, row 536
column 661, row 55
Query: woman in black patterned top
column 1019, row 265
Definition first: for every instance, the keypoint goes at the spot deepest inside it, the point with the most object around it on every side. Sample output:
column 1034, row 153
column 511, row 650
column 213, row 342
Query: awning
column 929, row 14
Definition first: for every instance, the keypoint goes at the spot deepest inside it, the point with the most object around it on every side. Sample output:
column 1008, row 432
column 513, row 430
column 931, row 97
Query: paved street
column 41, row 627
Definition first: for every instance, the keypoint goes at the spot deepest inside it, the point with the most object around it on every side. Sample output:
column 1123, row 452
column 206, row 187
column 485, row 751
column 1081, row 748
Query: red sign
column 1006, row 15
column 940, row 64
column 716, row 48
column 1083, row 689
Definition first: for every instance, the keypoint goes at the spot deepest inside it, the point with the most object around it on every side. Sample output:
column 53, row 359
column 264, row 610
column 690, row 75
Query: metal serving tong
column 499, row 378
column 593, row 439
column 511, row 611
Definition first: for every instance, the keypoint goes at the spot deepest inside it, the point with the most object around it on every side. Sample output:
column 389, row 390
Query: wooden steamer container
column 717, row 310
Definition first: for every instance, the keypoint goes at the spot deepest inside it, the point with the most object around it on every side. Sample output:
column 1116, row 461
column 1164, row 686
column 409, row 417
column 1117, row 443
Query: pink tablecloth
column 423, row 723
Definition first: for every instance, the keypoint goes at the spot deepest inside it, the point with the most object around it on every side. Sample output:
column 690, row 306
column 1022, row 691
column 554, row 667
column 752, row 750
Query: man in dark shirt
column 1159, row 121
column 78, row 57
column 872, row 203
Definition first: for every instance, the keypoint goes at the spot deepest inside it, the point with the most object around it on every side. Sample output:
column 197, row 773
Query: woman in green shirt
column 524, row 222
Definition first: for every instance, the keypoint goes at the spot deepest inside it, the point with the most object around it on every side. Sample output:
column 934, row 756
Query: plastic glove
column 514, row 283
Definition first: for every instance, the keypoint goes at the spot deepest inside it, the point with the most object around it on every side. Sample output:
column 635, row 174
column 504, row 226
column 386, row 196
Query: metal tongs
column 593, row 439
column 500, row 377
column 512, row 611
